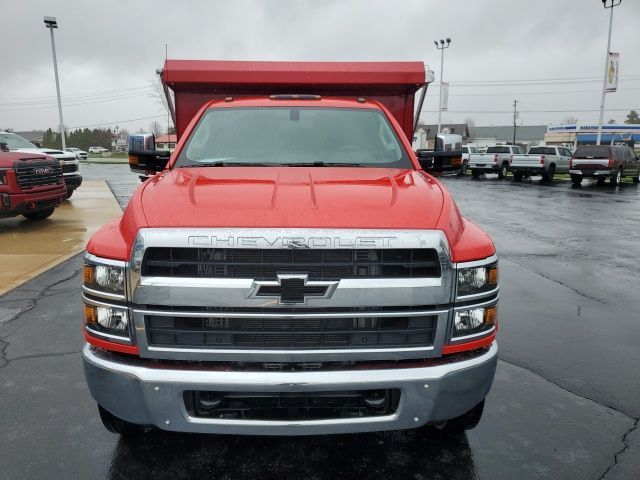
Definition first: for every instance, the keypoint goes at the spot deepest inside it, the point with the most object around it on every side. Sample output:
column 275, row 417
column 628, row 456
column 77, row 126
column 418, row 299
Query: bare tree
column 611, row 121
column 156, row 128
column 570, row 120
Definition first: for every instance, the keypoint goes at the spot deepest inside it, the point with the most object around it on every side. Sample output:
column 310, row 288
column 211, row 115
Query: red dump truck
column 290, row 269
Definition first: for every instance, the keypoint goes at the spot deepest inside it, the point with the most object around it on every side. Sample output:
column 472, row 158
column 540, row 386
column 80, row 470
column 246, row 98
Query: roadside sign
column 612, row 71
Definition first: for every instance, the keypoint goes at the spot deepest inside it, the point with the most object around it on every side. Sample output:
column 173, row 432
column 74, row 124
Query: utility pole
column 441, row 47
column 613, row 3
column 515, row 116
column 51, row 23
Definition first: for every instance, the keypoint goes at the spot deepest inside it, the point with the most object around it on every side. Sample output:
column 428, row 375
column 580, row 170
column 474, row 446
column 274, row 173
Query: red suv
column 30, row 185
column 602, row 161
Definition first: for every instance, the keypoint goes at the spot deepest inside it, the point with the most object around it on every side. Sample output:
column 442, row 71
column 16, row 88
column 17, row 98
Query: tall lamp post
column 441, row 46
column 606, row 4
column 51, row 23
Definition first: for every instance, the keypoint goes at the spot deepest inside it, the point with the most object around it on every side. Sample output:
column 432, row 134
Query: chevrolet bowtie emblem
column 292, row 289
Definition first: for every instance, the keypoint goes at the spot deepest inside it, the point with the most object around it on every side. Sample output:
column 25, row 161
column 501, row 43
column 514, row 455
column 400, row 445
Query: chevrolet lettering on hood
column 290, row 242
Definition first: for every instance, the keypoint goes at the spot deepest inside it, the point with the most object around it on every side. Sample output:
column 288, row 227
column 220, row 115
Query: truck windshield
column 15, row 142
column 300, row 136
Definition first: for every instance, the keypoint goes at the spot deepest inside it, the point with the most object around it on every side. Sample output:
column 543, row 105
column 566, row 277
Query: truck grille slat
column 266, row 264
column 290, row 333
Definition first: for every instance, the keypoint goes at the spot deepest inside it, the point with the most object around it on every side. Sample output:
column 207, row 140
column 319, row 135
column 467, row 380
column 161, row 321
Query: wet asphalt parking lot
column 565, row 402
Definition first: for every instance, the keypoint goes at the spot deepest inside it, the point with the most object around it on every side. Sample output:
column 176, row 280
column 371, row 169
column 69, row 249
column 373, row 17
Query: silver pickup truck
column 495, row 160
column 545, row 161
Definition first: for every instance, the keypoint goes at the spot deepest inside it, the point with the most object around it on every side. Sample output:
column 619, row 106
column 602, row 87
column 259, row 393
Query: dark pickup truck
column 604, row 161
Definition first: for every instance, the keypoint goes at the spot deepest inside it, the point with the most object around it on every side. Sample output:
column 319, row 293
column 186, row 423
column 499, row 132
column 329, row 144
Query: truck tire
column 547, row 177
column 475, row 173
column 120, row 427
column 463, row 170
column 636, row 179
column 40, row 214
column 616, row 178
column 504, row 168
column 600, row 180
column 517, row 176
column 69, row 193
column 576, row 180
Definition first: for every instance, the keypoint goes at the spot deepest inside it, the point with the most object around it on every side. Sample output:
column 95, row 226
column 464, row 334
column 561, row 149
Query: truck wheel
column 463, row 170
column 120, row 427
column 475, row 173
column 504, row 168
column 636, row 179
column 40, row 214
column 616, row 178
column 576, row 180
column 517, row 176
column 549, row 174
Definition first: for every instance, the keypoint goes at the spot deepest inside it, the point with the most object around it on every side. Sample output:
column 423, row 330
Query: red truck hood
column 318, row 197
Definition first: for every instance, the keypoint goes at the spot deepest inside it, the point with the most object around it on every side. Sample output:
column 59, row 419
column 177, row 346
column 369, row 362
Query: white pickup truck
column 495, row 160
column 545, row 161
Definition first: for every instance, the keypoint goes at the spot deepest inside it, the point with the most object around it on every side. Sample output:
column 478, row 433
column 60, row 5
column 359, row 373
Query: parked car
column 80, row 154
column 68, row 161
column 604, row 161
column 30, row 185
column 98, row 150
column 545, row 161
column 496, row 160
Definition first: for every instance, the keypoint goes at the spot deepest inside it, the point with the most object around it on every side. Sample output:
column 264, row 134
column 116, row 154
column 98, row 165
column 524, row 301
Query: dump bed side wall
column 391, row 83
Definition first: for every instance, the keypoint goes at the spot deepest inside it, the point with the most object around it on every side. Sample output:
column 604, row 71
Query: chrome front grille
column 36, row 174
column 223, row 294
column 266, row 264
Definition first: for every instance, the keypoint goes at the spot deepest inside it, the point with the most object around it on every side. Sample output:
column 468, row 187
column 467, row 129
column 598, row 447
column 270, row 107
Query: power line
column 115, row 122
column 84, row 94
column 74, row 104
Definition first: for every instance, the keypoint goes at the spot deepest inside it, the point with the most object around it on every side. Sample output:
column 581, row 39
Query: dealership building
column 572, row 134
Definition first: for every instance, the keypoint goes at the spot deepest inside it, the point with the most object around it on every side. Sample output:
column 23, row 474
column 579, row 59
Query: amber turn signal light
column 490, row 315
column 492, row 277
column 87, row 274
column 90, row 315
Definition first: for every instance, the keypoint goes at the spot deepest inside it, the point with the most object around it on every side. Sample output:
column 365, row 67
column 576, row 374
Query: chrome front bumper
column 136, row 391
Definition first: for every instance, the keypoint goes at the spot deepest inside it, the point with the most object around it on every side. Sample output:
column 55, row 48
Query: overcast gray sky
column 108, row 52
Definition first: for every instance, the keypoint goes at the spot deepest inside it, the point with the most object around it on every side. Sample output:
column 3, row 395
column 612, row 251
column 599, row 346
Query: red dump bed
column 194, row 82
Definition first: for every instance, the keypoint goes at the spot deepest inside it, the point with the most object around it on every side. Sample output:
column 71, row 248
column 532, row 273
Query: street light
column 51, row 23
column 441, row 46
column 612, row 3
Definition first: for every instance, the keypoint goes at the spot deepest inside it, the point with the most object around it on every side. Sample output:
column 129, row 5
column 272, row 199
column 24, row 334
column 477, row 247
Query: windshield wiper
column 226, row 164
column 324, row 164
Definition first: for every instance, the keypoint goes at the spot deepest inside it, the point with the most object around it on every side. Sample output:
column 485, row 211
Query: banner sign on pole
column 445, row 96
column 612, row 71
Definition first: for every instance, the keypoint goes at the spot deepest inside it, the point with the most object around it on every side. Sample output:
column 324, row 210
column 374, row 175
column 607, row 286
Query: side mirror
column 425, row 157
column 143, row 156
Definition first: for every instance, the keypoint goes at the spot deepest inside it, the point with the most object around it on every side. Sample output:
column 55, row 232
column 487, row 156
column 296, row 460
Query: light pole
column 50, row 23
column 441, row 46
column 612, row 3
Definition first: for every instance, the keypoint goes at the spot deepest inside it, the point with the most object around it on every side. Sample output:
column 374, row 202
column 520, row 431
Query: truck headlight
column 474, row 320
column 476, row 280
column 103, row 277
column 107, row 319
